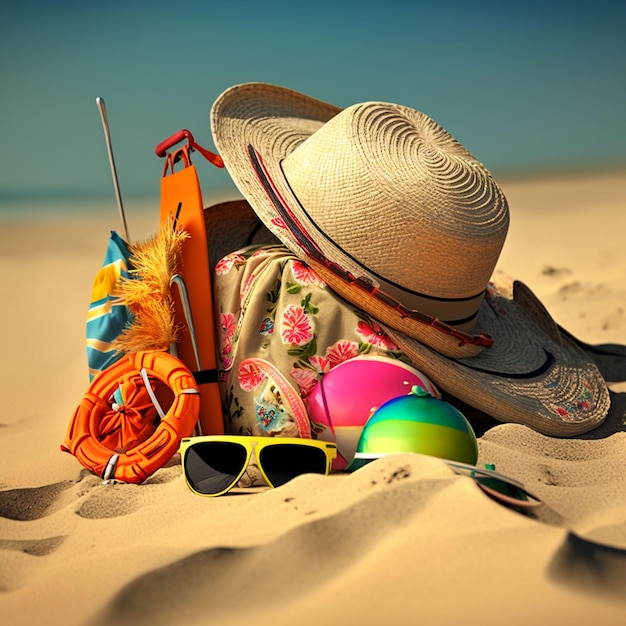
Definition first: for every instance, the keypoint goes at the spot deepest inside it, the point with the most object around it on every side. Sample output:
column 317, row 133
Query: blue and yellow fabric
column 107, row 316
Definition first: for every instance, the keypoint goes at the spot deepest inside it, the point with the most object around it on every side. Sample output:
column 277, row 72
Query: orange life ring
column 124, row 441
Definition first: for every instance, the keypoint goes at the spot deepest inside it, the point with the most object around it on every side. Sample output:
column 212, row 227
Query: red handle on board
column 181, row 135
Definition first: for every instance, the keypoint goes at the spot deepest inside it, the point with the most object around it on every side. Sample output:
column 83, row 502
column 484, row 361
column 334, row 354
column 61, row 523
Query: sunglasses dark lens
column 282, row 462
column 213, row 466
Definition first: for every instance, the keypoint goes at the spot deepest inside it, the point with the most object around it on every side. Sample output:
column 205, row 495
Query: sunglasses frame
column 253, row 444
column 500, row 487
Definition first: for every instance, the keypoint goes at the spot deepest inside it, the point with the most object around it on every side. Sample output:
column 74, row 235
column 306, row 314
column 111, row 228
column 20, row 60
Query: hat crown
column 393, row 190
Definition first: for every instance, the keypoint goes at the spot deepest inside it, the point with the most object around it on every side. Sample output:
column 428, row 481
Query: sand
column 402, row 541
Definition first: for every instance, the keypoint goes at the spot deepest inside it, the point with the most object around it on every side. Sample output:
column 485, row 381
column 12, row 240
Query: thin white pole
column 107, row 135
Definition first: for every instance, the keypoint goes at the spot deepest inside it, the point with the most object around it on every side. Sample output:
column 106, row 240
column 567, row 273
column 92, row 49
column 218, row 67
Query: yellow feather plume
column 147, row 292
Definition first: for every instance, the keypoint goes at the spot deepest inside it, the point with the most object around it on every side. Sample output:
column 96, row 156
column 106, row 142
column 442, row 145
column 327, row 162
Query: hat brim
column 533, row 374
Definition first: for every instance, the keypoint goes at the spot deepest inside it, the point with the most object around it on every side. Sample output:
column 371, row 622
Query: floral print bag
column 280, row 328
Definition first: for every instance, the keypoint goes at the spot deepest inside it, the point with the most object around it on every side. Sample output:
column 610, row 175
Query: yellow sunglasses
column 214, row 464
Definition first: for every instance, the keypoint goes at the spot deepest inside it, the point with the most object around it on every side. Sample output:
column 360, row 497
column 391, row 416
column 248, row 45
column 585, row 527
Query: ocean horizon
column 45, row 204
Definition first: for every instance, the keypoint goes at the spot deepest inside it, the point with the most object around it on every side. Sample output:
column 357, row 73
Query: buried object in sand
column 417, row 422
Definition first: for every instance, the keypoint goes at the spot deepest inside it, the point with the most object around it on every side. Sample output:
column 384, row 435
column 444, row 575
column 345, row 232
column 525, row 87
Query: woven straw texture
column 379, row 188
column 552, row 386
column 387, row 194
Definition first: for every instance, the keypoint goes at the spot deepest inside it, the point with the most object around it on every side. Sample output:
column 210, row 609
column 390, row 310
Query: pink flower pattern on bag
column 341, row 351
column 305, row 275
column 245, row 288
column 320, row 364
column 249, row 377
column 296, row 328
column 297, row 325
column 374, row 335
column 306, row 379
column 337, row 353
column 224, row 265
column 228, row 325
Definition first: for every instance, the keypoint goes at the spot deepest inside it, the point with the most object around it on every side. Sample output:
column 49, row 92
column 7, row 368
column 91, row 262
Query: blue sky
column 526, row 86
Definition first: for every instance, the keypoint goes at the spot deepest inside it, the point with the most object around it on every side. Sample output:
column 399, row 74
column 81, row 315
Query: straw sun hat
column 403, row 222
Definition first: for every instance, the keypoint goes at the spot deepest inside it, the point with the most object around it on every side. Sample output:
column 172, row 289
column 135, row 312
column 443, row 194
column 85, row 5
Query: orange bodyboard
column 181, row 202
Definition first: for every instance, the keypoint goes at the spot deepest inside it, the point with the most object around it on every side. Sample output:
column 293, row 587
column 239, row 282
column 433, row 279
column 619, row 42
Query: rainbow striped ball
column 420, row 423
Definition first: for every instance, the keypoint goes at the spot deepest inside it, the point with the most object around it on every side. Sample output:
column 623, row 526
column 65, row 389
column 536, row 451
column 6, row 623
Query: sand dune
column 404, row 540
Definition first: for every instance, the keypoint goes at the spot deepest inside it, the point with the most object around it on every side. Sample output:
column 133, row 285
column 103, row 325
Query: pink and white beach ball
column 345, row 397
